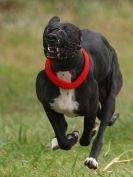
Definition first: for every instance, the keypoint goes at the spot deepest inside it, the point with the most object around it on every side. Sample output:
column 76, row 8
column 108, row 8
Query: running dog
column 81, row 78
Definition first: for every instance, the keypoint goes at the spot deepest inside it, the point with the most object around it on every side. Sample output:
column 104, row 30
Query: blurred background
column 25, row 132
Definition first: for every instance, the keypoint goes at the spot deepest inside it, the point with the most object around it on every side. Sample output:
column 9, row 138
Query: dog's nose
column 52, row 37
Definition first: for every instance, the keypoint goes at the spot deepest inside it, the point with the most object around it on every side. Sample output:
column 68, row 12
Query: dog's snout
column 52, row 37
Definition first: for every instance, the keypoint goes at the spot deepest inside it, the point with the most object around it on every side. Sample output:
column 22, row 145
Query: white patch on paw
column 76, row 133
column 69, row 136
column 54, row 144
column 91, row 163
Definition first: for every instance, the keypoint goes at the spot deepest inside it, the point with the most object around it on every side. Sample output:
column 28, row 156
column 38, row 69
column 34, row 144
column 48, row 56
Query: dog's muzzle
column 63, row 53
column 52, row 48
column 57, row 44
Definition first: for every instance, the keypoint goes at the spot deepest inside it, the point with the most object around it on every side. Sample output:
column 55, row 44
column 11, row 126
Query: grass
column 25, row 132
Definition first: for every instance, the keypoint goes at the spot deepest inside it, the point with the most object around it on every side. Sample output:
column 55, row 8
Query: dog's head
column 61, row 41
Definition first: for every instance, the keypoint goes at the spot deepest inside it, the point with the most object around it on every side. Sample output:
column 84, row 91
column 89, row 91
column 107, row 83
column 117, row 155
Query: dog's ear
column 54, row 19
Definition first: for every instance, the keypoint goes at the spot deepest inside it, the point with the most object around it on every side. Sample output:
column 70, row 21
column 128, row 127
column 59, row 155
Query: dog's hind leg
column 59, row 126
column 108, row 109
column 113, row 119
column 91, row 161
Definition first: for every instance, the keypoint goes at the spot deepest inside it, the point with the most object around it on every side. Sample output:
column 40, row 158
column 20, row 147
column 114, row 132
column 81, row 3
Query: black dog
column 81, row 78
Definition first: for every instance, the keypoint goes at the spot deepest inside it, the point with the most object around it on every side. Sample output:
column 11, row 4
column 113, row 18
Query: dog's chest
column 66, row 102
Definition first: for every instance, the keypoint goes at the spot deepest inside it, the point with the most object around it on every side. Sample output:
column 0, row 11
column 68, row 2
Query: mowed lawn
column 25, row 133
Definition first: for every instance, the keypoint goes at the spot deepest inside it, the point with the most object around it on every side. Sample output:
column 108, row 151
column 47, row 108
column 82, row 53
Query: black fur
column 96, row 95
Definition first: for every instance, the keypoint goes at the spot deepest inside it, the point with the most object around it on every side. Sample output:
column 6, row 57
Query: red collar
column 64, row 84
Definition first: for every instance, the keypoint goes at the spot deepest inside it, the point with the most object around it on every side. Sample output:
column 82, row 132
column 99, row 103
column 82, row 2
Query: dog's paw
column 91, row 163
column 74, row 136
column 54, row 144
column 113, row 119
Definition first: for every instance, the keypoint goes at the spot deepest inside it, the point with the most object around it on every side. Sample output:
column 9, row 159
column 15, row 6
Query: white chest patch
column 65, row 103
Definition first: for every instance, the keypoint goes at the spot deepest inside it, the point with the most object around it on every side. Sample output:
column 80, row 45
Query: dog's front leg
column 58, row 123
column 89, row 130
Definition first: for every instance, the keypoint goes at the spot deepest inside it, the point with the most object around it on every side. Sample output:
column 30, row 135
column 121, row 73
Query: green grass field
column 25, row 133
